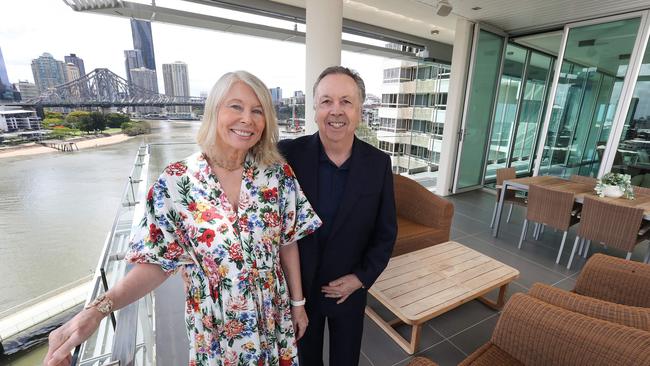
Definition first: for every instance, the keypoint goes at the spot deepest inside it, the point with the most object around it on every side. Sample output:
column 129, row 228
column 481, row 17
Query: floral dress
column 237, row 300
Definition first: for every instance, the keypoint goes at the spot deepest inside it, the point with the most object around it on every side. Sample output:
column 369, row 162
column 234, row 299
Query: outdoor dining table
column 579, row 189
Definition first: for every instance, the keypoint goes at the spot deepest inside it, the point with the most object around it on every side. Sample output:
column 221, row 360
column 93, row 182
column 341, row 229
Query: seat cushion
column 412, row 236
column 490, row 355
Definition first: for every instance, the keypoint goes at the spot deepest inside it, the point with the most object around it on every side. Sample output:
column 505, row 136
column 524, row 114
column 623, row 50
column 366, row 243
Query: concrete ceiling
column 417, row 17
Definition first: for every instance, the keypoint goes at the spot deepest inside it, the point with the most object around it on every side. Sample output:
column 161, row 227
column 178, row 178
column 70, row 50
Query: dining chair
column 583, row 179
column 612, row 224
column 641, row 190
column 510, row 195
column 552, row 208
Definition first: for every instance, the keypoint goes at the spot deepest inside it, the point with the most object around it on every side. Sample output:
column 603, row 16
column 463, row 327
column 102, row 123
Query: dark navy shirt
column 331, row 185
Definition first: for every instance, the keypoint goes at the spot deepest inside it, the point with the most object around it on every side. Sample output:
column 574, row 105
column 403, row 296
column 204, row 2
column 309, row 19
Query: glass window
column 589, row 88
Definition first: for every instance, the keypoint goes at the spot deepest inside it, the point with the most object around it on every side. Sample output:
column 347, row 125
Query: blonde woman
column 228, row 218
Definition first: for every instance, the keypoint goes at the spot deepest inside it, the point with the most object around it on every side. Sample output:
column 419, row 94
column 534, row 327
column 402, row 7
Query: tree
column 73, row 119
column 98, row 121
column 85, row 123
column 115, row 120
column 53, row 115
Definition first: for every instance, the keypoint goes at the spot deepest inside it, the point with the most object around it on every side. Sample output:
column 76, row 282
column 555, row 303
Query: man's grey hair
column 345, row 71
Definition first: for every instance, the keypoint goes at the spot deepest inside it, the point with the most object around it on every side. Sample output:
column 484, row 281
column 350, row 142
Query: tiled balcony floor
column 449, row 338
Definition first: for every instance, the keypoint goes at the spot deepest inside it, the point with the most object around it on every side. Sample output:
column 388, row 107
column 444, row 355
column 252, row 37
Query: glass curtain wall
column 633, row 153
column 594, row 65
column 519, row 109
column 478, row 110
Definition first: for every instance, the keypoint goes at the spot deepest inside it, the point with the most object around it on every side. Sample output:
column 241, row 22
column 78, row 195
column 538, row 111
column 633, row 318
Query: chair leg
column 647, row 255
column 523, row 233
column 582, row 245
column 584, row 255
column 494, row 213
column 541, row 231
column 559, row 254
column 573, row 252
column 509, row 213
column 535, row 231
column 628, row 256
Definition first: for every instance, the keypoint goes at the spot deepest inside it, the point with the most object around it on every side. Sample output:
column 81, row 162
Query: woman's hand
column 299, row 320
column 71, row 334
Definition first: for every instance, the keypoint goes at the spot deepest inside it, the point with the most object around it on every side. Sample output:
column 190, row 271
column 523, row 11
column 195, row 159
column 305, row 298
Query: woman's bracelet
column 298, row 302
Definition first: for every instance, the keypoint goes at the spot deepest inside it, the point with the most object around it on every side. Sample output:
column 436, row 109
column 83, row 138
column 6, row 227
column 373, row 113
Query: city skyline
column 208, row 53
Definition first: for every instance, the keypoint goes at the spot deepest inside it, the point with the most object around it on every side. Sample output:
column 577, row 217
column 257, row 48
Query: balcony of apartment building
column 556, row 92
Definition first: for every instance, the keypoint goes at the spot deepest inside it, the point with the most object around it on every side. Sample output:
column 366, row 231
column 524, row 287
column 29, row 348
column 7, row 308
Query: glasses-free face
column 240, row 118
column 338, row 108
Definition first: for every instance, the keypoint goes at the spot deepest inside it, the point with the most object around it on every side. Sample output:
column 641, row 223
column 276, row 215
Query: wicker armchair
column 423, row 219
column 551, row 208
column 641, row 190
column 510, row 195
column 533, row 332
column 615, row 280
column 615, row 225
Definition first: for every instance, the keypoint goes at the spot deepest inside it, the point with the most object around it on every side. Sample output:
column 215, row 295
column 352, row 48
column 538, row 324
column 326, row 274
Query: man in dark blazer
column 350, row 184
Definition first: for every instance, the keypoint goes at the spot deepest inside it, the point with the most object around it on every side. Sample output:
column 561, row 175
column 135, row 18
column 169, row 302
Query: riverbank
column 82, row 143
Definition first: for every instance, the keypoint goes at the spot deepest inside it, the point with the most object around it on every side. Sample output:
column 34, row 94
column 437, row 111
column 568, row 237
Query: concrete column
column 323, row 47
column 455, row 103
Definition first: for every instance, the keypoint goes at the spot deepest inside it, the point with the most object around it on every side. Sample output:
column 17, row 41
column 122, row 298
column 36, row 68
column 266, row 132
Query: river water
column 57, row 208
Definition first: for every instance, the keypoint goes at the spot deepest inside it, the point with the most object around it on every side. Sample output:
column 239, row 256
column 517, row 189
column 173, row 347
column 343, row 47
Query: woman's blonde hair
column 265, row 150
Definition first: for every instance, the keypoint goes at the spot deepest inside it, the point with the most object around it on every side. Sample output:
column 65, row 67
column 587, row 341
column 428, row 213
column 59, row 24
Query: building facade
column 16, row 119
column 26, row 89
column 143, row 41
column 48, row 72
column 77, row 61
column 276, row 95
column 133, row 60
column 177, row 84
column 411, row 114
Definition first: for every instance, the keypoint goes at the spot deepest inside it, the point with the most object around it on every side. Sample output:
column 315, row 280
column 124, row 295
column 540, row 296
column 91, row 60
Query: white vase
column 613, row 191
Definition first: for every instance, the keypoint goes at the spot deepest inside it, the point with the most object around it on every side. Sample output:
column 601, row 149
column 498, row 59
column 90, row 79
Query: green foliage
column 61, row 133
column 76, row 119
column 51, row 122
column 136, row 128
column 98, row 122
column 56, row 115
column 366, row 134
column 115, row 120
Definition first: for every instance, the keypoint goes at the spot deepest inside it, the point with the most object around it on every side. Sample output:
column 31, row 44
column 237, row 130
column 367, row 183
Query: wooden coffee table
column 421, row 285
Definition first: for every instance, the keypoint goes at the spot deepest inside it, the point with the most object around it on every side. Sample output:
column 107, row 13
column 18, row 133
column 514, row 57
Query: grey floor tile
column 530, row 271
column 462, row 317
column 444, row 354
column 428, row 336
column 474, row 337
column 364, row 361
column 379, row 347
column 512, row 289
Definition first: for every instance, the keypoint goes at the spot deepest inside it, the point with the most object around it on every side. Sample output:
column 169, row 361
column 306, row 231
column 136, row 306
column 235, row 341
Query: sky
column 31, row 27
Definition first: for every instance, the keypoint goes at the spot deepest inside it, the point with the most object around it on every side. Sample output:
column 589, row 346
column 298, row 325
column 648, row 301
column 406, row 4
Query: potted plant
column 615, row 185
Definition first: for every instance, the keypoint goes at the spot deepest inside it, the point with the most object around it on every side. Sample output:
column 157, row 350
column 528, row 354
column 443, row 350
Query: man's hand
column 342, row 287
column 299, row 320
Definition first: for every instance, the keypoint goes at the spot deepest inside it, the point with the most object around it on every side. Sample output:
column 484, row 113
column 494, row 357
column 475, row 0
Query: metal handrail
column 100, row 281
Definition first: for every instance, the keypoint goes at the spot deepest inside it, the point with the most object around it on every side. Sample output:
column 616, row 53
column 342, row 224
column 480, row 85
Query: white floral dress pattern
column 237, row 299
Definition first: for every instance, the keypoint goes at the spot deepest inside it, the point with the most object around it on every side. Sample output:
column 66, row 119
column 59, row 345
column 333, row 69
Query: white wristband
column 299, row 302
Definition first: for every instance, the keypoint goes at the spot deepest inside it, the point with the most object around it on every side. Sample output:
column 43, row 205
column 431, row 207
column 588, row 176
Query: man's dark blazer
column 365, row 226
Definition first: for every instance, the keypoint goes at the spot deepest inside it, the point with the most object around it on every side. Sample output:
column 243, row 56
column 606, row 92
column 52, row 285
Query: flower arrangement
column 615, row 185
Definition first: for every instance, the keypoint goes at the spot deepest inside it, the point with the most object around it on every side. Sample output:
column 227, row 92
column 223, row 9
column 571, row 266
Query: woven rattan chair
column 552, row 208
column 615, row 280
column 510, row 197
column 583, row 179
column 614, row 225
column 641, row 190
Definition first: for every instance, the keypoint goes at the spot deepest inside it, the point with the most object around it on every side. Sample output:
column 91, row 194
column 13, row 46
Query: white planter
column 613, row 191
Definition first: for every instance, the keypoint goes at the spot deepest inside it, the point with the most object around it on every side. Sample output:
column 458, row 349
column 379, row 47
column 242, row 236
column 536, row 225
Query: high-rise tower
column 143, row 41
column 77, row 61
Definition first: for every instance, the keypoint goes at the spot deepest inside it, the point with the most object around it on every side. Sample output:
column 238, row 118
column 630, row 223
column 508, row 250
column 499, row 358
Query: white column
column 455, row 101
column 323, row 47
